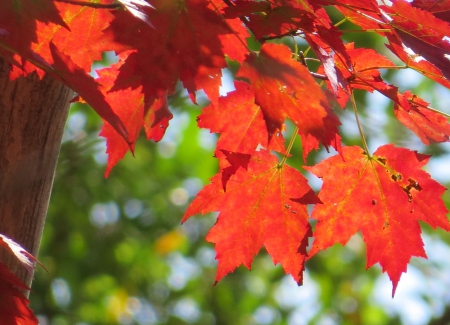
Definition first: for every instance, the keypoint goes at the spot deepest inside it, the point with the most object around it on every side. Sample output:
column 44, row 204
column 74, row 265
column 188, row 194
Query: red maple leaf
column 234, row 43
column 365, row 73
column 89, row 89
column 13, row 304
column 129, row 105
column 18, row 21
column 184, row 45
column 364, row 13
column 415, row 61
column 440, row 8
column 422, row 32
column 80, row 39
column 414, row 113
column 264, row 204
column 410, row 110
column 156, row 119
column 384, row 197
column 240, row 122
column 284, row 89
column 266, row 20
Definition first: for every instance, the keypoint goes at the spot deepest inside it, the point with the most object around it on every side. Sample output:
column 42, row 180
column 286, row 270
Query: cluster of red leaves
column 13, row 304
column 262, row 201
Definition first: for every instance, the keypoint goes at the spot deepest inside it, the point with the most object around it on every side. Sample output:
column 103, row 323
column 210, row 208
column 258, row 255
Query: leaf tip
column 132, row 145
column 394, row 288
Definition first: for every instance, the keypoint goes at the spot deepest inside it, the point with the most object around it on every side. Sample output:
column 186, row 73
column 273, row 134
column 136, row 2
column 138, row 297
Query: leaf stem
column 290, row 145
column 430, row 108
column 358, row 122
column 396, row 67
column 340, row 22
column 373, row 30
column 115, row 5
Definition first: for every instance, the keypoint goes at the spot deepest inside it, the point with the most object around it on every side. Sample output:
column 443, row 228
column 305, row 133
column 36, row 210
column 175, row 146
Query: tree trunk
column 32, row 117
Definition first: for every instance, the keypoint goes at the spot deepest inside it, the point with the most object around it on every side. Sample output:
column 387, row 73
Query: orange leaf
column 80, row 40
column 128, row 106
column 413, row 112
column 284, row 89
column 156, row 119
column 264, row 204
column 425, row 35
column 88, row 88
column 384, row 197
column 184, row 44
column 18, row 21
column 240, row 122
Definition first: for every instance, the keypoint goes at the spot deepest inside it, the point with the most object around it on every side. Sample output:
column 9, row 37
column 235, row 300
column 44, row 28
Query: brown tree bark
column 32, row 117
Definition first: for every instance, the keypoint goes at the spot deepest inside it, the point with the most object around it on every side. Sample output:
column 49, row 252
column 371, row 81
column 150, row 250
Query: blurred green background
column 116, row 252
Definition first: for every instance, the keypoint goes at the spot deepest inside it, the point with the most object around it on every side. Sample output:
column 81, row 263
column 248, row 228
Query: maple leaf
column 421, row 31
column 284, row 89
column 264, row 204
column 128, row 105
column 156, row 119
column 263, row 19
column 366, row 14
column 365, row 73
column 415, row 61
column 240, row 122
column 409, row 109
column 413, row 112
column 439, row 9
column 184, row 44
column 79, row 39
column 21, row 67
column 234, row 45
column 13, row 304
column 18, row 20
column 385, row 196
column 87, row 88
